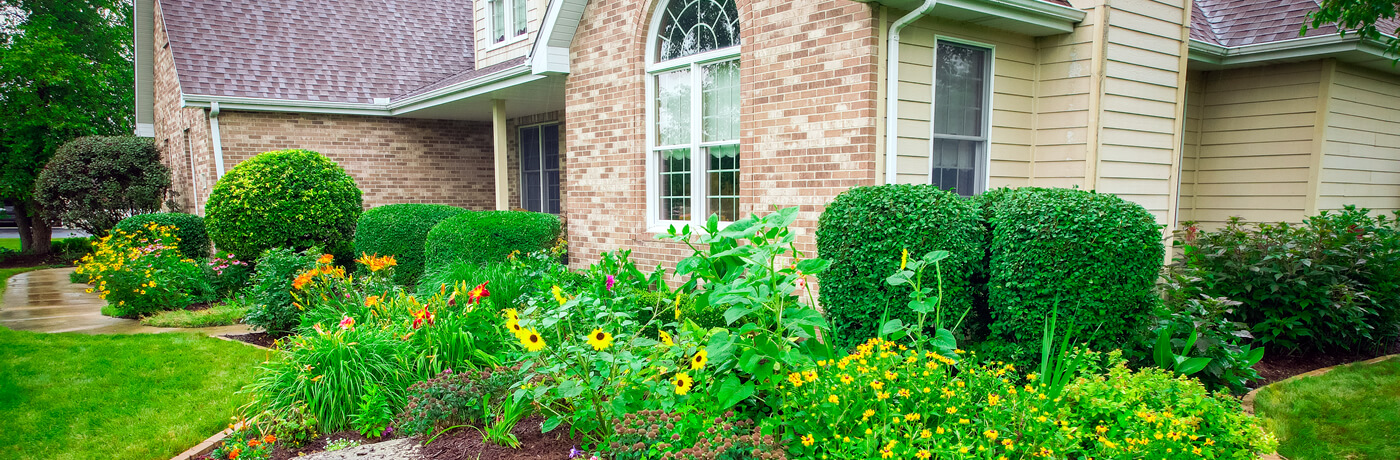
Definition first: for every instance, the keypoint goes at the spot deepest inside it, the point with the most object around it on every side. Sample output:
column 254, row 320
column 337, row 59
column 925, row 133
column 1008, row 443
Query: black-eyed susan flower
column 599, row 340
column 808, row 440
column 531, row 340
column 683, row 383
column 698, row 361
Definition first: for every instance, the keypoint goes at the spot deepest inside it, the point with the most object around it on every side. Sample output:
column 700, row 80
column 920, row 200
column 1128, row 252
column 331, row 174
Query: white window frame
column 520, row 155
column 985, row 161
column 699, row 160
column 509, row 18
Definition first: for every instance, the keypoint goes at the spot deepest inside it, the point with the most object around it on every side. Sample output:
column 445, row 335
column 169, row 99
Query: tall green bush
column 284, row 199
column 93, row 182
column 274, row 309
column 194, row 238
column 864, row 231
column 401, row 230
column 489, row 236
column 1095, row 255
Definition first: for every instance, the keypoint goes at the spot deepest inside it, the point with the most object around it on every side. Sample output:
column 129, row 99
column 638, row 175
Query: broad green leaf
column 925, row 306
column 550, row 424
column 1192, row 366
column 813, row 266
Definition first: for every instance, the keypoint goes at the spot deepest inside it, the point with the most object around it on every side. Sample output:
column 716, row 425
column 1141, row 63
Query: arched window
column 693, row 111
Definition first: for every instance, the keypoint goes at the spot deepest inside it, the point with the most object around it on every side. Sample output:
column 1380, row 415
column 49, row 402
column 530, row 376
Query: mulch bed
column 467, row 444
column 1278, row 367
column 261, row 339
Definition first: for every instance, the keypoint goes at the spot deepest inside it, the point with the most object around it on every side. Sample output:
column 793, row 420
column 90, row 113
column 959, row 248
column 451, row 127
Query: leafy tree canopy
column 1368, row 19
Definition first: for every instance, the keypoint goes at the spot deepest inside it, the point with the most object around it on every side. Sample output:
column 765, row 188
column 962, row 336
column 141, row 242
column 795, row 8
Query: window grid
column 539, row 168
column 957, row 161
column 515, row 16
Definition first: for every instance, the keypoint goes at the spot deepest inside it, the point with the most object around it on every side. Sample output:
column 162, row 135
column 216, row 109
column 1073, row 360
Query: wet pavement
column 45, row 301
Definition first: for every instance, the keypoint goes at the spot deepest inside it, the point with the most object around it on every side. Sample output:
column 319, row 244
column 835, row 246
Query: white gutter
column 218, row 142
column 892, row 91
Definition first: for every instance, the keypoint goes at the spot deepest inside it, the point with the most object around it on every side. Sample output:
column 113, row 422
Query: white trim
column 510, row 36
column 145, row 130
column 506, row 42
column 1289, row 49
column 217, row 141
column 985, row 178
column 549, row 54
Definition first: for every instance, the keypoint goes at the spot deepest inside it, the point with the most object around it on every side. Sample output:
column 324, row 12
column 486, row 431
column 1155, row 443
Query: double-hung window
column 539, row 168
column 693, row 112
column 507, row 19
column 962, row 84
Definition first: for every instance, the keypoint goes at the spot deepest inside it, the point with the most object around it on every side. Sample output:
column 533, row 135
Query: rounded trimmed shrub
column 93, row 182
column 863, row 233
column 292, row 199
column 489, row 236
column 401, row 230
column 189, row 228
column 1096, row 256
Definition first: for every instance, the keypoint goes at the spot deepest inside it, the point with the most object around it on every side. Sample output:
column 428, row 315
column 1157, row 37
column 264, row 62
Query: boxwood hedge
column 194, row 238
column 489, row 236
column 401, row 230
column 863, row 232
column 284, row 199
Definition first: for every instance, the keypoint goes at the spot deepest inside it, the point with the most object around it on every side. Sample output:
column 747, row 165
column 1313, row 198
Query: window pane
column 498, row 20
column 696, row 26
column 723, row 177
column 519, row 18
column 530, row 149
column 674, row 184
column 530, row 192
column 551, row 192
column 720, row 101
column 955, row 165
column 959, row 90
column 551, row 146
column 673, row 108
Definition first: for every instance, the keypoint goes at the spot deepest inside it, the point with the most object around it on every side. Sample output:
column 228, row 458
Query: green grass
column 6, row 273
column 72, row 396
column 10, row 243
column 1351, row 412
column 219, row 315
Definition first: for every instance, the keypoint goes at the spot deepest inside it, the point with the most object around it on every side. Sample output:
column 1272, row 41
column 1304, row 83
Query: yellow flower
column 878, row 385
column 904, row 259
column 993, row 400
column 600, row 340
column 807, row 440
column 846, row 379
column 683, row 383
column 373, row 301
column 795, row 379
column 923, row 454
column 833, row 399
column 531, row 340
column 952, row 410
column 558, row 294
column 698, row 361
column 666, row 339
column 991, row 434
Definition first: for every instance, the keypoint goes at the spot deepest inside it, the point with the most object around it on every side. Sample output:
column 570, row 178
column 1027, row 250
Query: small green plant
column 274, row 309
column 924, row 301
column 143, row 273
column 245, row 443
column 341, row 444
column 229, row 312
column 227, row 274
column 293, row 426
column 374, row 415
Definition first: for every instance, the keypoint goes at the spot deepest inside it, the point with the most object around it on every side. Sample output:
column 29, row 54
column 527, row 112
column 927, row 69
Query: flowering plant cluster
column 244, row 443
column 227, row 275
column 143, row 272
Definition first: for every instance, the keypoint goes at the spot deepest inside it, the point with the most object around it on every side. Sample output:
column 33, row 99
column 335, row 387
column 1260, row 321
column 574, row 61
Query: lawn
column 9, row 243
column 71, row 396
column 1349, row 412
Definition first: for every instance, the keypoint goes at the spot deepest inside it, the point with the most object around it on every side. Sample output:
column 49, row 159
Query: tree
column 1365, row 18
column 96, row 181
column 65, row 72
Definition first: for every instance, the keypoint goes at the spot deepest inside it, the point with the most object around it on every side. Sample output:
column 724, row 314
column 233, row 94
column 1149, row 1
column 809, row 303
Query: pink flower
column 347, row 323
column 802, row 283
column 611, row 281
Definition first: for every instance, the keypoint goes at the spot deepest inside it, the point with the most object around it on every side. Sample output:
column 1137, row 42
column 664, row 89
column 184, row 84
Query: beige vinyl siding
column 1137, row 123
column 1012, row 102
column 1062, row 109
column 1254, row 144
column 488, row 53
column 1361, row 165
column 1191, row 145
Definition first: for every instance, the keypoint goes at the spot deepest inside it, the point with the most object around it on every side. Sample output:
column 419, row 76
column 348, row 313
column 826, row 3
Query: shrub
column 72, row 248
column 93, row 182
column 227, row 274
column 455, row 399
column 1097, row 255
column 274, row 309
column 1331, row 283
column 293, row 199
column 143, row 273
column 401, row 230
column 489, row 236
column 189, row 228
column 863, row 233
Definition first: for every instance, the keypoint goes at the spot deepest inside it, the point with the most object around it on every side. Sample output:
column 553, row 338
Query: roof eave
column 1030, row 17
column 1294, row 49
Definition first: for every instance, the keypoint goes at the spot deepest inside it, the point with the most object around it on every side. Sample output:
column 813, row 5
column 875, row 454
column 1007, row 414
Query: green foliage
column 506, row 283
column 143, row 273
column 274, row 308
column 1095, row 255
column 489, row 236
column 455, row 398
column 1331, row 283
column 223, row 314
column 401, row 230
column 1370, row 19
column 93, row 182
column 294, row 199
column 692, row 433
column 1349, row 412
column 1224, row 343
column 71, row 248
column 373, row 415
column 227, row 274
column 864, row 231
column 245, row 444
column 294, row 426
column 189, row 228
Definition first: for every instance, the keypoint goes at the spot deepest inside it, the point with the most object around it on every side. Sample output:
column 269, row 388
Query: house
column 629, row 116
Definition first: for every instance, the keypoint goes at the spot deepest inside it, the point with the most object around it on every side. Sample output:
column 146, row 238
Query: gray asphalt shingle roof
column 1247, row 22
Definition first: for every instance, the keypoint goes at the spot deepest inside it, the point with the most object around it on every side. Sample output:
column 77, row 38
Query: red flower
column 479, row 292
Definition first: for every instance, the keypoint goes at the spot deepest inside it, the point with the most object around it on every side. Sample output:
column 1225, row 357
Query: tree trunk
column 35, row 233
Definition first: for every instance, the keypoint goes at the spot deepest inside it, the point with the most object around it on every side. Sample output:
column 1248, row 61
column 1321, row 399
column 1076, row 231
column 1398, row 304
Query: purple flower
column 575, row 453
column 611, row 281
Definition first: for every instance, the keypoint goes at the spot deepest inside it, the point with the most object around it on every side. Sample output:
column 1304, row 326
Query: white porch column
column 498, row 140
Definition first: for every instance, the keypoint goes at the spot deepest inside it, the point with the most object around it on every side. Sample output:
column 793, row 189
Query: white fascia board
column 1290, row 49
column 1037, row 13
column 549, row 55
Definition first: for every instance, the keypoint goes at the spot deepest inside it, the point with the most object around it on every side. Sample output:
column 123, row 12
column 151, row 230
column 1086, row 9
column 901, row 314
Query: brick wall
column 191, row 175
column 808, row 116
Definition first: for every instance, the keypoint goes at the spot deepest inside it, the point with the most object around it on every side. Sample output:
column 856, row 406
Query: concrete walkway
column 45, row 301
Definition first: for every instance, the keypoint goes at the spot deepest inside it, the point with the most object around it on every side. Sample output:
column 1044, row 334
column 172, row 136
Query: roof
column 1232, row 23
column 318, row 50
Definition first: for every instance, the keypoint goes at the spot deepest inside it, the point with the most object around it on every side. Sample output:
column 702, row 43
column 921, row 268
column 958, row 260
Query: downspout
column 218, row 143
column 892, row 91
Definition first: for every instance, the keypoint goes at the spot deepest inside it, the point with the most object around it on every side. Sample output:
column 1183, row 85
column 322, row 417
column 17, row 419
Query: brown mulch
column 319, row 444
column 467, row 444
column 1278, row 367
column 261, row 339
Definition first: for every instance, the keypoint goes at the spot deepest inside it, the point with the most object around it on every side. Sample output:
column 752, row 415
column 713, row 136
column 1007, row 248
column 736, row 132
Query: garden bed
column 467, row 444
column 261, row 339
column 1279, row 367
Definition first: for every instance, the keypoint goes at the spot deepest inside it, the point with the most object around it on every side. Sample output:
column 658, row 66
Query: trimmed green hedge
column 401, row 230
column 863, row 231
column 284, row 199
column 1097, row 255
column 489, row 236
column 194, row 238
